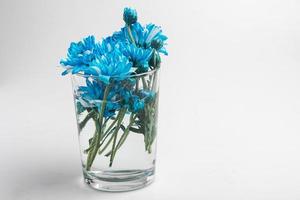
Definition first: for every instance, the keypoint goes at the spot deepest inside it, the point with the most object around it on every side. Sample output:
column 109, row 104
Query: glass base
column 119, row 180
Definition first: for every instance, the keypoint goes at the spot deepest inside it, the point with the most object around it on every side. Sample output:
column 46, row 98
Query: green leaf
column 79, row 108
column 137, row 130
column 122, row 127
column 90, row 141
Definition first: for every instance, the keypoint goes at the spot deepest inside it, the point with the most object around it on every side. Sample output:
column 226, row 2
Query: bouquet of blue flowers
column 120, row 75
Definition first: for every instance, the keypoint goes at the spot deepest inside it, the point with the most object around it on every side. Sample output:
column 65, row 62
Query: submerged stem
column 144, row 83
column 106, row 145
column 86, row 119
column 98, row 132
column 110, row 127
column 121, row 115
column 124, row 136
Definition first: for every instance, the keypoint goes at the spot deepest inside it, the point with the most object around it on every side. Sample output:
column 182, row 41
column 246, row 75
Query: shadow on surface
column 53, row 183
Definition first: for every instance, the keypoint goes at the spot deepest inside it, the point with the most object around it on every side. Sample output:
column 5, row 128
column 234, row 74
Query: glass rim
column 123, row 77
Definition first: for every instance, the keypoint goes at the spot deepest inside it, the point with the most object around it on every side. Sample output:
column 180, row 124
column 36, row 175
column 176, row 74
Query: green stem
column 124, row 136
column 106, row 145
column 105, row 137
column 88, row 149
column 154, row 58
column 112, row 150
column 115, row 134
column 154, row 82
column 144, row 83
column 137, row 84
column 154, row 75
column 130, row 34
column 97, row 136
column 150, row 81
column 149, row 149
column 110, row 127
column 92, row 146
column 86, row 119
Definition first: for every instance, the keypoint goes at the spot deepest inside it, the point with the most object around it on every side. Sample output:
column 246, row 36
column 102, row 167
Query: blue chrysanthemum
column 146, row 95
column 143, row 36
column 135, row 100
column 107, row 45
column 112, row 64
column 137, row 104
column 138, row 56
column 80, row 55
column 103, row 60
column 91, row 96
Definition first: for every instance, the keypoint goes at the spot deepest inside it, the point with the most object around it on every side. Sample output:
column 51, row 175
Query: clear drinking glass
column 118, row 149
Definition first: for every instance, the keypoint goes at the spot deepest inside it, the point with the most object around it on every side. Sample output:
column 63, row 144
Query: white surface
column 229, row 110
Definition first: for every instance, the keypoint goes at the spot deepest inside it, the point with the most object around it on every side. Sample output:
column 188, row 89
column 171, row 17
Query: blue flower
column 109, row 63
column 107, row 45
column 143, row 36
column 112, row 64
column 154, row 33
column 137, row 104
column 138, row 56
column 146, row 95
column 129, row 16
column 157, row 44
column 135, row 100
column 92, row 91
column 80, row 55
column 104, row 60
column 91, row 96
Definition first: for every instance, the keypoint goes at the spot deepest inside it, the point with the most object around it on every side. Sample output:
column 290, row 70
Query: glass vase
column 117, row 125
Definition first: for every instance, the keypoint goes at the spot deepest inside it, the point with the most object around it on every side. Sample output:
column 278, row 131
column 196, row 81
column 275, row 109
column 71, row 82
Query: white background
column 229, row 108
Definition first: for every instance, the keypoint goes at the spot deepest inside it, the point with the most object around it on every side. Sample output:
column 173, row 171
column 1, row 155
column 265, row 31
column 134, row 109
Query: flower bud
column 155, row 60
column 157, row 44
column 129, row 16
